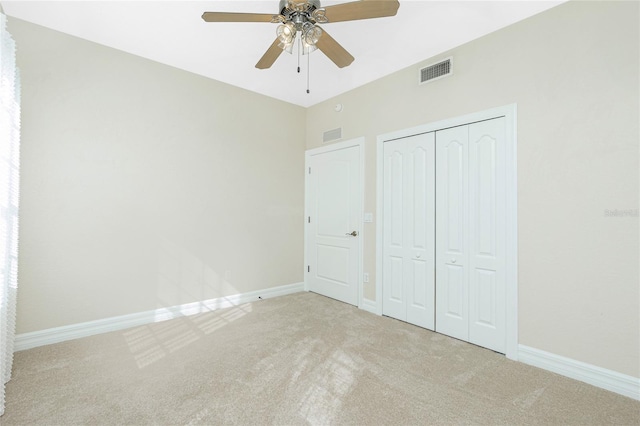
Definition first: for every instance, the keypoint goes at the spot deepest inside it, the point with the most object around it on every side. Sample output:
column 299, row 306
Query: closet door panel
column 394, row 234
column 487, row 309
column 420, row 232
column 408, row 230
column 452, row 194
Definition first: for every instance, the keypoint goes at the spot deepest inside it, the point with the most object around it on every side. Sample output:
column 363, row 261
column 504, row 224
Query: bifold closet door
column 470, row 233
column 452, row 237
column 409, row 230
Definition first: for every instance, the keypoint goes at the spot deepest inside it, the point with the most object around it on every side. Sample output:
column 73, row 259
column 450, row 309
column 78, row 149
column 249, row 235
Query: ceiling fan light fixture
column 286, row 33
column 287, row 47
column 308, row 48
column 311, row 34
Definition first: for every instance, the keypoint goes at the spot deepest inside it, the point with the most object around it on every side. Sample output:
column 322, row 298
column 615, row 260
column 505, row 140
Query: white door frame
column 359, row 142
column 510, row 114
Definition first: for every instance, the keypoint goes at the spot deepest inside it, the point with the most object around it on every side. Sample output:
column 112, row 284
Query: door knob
column 418, row 255
column 353, row 234
column 453, row 261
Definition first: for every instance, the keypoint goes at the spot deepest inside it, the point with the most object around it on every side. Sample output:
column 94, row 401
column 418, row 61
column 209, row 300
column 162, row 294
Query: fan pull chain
column 299, row 47
column 308, row 69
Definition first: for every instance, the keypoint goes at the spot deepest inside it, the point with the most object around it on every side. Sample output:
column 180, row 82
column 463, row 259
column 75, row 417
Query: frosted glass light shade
column 286, row 33
column 311, row 34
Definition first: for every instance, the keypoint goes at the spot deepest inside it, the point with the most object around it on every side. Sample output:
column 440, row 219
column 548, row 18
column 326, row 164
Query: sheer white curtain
column 9, row 192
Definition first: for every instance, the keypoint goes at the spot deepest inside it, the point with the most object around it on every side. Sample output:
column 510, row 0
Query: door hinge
column 309, row 220
column 309, row 170
column 308, row 268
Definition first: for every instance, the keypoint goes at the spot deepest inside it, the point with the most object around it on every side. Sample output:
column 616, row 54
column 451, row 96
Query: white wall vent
column 332, row 135
column 436, row 71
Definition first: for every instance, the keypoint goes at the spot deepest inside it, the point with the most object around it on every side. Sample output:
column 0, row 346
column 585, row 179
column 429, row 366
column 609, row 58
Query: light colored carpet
column 297, row 359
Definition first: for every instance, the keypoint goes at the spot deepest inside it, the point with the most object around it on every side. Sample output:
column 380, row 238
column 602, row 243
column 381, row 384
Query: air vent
column 332, row 135
column 435, row 71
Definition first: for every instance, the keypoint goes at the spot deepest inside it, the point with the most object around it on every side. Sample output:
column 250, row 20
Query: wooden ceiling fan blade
column 363, row 9
column 270, row 56
column 334, row 50
column 236, row 17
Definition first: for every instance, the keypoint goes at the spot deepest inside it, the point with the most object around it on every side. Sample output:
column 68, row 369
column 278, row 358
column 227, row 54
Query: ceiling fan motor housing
column 299, row 12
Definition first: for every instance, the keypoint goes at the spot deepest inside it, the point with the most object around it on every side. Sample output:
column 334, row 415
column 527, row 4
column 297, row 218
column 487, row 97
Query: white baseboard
column 369, row 306
column 597, row 376
column 75, row 331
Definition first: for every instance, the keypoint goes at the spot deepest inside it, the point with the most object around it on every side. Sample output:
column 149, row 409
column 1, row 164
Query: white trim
column 305, row 251
column 85, row 329
column 503, row 111
column 511, row 272
column 379, row 216
column 510, row 114
column 369, row 306
column 360, row 143
column 588, row 373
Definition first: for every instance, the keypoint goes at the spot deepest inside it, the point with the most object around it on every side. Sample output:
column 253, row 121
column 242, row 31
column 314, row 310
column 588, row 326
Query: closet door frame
column 509, row 112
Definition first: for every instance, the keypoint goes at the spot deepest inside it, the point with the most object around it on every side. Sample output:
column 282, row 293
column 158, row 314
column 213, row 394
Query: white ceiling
column 173, row 33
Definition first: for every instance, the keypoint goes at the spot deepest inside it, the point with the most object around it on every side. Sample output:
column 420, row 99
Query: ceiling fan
column 303, row 16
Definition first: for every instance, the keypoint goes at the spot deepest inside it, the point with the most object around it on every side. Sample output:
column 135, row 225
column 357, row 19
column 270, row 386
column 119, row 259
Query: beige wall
column 144, row 186
column 573, row 72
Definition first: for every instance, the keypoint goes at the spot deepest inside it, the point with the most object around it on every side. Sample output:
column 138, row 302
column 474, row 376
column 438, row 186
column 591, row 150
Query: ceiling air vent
column 332, row 135
column 435, row 71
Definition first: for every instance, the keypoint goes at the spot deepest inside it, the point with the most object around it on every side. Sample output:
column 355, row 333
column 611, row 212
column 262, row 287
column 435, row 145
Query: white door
column 334, row 192
column 487, row 234
column 452, row 317
column 470, row 233
column 408, row 230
